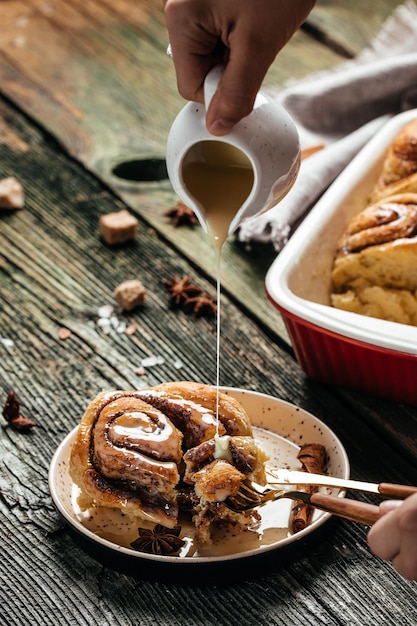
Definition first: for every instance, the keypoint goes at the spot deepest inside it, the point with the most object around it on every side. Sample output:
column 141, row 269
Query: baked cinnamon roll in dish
column 375, row 268
column 161, row 452
column 399, row 169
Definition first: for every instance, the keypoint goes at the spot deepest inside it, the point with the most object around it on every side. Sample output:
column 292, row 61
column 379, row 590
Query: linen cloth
column 342, row 109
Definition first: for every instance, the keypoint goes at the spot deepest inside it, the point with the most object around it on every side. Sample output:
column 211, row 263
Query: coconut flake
column 152, row 360
column 105, row 311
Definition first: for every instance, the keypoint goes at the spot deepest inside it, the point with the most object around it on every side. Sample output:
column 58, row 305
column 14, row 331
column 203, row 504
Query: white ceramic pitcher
column 266, row 140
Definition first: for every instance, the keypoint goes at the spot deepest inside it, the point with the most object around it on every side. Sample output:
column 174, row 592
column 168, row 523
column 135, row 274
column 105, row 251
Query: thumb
column 234, row 97
column 389, row 505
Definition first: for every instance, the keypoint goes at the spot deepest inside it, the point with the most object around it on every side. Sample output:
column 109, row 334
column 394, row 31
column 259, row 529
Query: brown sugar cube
column 11, row 194
column 130, row 294
column 118, row 227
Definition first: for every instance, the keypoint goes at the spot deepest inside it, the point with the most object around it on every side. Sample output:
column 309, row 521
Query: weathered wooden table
column 87, row 96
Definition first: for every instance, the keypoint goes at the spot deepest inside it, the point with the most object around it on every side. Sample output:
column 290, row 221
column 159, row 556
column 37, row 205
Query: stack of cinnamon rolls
column 375, row 267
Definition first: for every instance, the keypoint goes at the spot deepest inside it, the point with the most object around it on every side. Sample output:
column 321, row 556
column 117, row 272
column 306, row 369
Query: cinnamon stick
column 312, row 457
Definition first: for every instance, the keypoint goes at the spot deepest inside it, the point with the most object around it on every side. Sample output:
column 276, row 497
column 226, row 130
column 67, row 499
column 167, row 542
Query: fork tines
column 248, row 497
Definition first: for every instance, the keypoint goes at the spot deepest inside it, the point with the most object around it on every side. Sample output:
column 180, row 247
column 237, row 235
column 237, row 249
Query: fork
column 248, row 498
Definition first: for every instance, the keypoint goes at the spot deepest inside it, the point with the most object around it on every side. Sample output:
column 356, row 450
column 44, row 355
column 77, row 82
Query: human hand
column 244, row 35
column 394, row 536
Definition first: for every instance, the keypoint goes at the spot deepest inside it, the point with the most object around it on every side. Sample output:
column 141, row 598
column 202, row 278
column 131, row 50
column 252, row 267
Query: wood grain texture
column 351, row 25
column 96, row 76
column 87, row 85
column 55, row 272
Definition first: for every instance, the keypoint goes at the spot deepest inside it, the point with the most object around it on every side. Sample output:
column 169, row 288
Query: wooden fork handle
column 353, row 510
column 396, row 491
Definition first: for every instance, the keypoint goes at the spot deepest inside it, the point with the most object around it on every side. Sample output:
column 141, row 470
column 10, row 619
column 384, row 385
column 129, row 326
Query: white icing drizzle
column 221, row 448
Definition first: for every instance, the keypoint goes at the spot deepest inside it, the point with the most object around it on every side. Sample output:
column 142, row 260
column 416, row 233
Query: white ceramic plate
column 279, row 427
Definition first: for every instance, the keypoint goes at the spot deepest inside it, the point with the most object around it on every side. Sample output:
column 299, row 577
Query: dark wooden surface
column 86, row 86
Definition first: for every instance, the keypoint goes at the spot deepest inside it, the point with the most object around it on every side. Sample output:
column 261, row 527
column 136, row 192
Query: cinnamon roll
column 399, row 169
column 161, row 452
column 375, row 269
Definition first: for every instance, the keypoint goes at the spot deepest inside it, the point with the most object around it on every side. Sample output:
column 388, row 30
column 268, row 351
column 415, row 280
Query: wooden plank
column 115, row 69
column 55, row 271
column 352, row 25
column 105, row 55
column 99, row 87
column 96, row 76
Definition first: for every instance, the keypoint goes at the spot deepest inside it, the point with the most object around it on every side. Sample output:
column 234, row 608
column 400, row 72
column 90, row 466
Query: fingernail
column 389, row 505
column 221, row 126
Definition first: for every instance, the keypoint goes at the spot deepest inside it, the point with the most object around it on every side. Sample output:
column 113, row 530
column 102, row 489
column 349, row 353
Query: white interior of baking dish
column 299, row 279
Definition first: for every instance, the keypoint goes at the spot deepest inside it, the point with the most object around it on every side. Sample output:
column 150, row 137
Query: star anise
column 181, row 215
column 11, row 413
column 160, row 540
column 202, row 305
column 180, row 290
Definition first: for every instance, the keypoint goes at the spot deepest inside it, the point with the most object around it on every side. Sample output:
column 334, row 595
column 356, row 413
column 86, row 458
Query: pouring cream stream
column 227, row 180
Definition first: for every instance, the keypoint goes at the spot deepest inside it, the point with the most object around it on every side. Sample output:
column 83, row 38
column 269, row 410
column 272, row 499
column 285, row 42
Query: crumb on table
column 118, row 227
column 130, row 294
column 11, row 194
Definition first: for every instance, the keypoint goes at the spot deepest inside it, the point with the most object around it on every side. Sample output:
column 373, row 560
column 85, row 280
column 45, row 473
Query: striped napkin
column 341, row 110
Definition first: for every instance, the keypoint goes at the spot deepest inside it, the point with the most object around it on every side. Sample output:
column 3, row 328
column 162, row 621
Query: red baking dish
column 337, row 347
